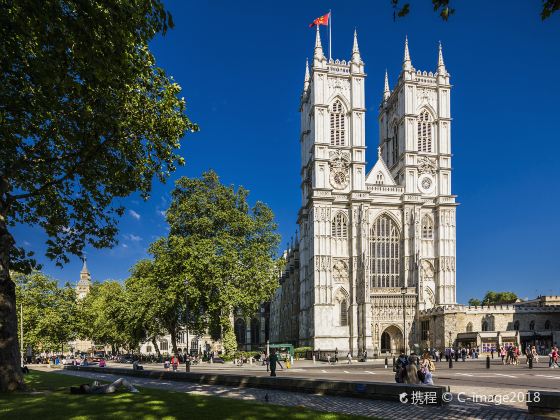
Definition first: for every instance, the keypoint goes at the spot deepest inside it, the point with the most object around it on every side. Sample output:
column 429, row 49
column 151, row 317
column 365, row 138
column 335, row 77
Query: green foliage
column 86, row 116
column 300, row 352
column 494, row 298
column 445, row 10
column 474, row 302
column 104, row 315
column 49, row 311
column 229, row 342
column 228, row 247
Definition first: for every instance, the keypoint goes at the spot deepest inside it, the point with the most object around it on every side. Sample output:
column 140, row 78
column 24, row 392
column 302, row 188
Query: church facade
column 375, row 248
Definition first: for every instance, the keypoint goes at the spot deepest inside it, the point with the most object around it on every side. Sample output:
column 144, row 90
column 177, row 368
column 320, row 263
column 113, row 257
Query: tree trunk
column 156, row 348
column 11, row 377
column 173, row 332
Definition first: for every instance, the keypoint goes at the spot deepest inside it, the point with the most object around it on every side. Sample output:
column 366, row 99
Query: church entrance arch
column 391, row 340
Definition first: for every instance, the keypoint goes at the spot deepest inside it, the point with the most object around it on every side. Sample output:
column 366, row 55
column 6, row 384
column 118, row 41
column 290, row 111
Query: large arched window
column 427, row 227
column 337, row 124
column 344, row 313
column 240, row 331
column 395, row 144
column 485, row 326
column 384, row 249
column 424, row 132
column 339, row 226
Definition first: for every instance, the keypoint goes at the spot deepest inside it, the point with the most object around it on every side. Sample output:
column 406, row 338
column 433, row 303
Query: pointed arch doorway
column 391, row 340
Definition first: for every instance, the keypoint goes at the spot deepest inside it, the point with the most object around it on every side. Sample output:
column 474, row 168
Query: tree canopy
column 494, row 298
column 221, row 246
column 86, row 117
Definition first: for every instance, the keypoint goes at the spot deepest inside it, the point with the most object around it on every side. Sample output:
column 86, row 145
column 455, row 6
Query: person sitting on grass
column 97, row 388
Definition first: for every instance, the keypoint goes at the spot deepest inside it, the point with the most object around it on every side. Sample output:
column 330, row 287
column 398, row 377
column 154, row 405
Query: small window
column 427, row 228
column 163, row 345
column 532, row 325
column 379, row 179
column 339, row 226
column 148, row 349
column 343, row 313
column 469, row 327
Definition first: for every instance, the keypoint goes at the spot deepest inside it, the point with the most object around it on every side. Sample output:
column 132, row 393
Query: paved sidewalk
column 383, row 409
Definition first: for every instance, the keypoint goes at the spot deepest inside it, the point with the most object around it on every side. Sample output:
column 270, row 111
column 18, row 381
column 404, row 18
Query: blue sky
column 241, row 66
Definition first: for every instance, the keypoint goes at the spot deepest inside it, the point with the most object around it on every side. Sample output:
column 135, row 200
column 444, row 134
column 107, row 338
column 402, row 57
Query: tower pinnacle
column 441, row 70
column 84, row 267
column 318, row 47
column 407, row 63
column 355, row 49
column 386, row 91
column 306, row 80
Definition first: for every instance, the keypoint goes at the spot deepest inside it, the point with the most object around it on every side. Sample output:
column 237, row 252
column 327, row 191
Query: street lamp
column 187, row 312
column 403, row 293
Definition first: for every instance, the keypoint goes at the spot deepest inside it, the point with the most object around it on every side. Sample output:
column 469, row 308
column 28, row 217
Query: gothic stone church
column 375, row 248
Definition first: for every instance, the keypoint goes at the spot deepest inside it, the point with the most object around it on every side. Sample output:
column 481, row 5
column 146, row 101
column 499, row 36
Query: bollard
column 530, row 363
column 386, row 362
column 451, row 363
column 487, row 362
column 187, row 366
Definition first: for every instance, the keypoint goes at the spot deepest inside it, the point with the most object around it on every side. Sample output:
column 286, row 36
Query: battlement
column 490, row 309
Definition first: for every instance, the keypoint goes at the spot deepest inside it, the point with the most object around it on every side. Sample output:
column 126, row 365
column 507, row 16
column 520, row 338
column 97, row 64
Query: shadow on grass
column 48, row 397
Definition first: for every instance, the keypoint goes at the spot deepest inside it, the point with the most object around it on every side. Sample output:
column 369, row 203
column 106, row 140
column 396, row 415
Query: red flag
column 323, row 20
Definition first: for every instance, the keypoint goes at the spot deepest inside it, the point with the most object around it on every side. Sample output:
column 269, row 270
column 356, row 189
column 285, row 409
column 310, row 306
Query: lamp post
column 403, row 293
column 187, row 312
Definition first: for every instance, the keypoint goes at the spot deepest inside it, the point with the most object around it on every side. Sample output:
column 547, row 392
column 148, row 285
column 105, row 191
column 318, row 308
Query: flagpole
column 330, row 23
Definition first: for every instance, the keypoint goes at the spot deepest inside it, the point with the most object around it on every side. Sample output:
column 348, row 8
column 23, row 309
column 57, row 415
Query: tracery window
column 343, row 313
column 379, row 179
column 427, row 227
column 425, row 132
column 384, row 249
column 339, row 226
column 337, row 124
column 485, row 326
column 240, row 331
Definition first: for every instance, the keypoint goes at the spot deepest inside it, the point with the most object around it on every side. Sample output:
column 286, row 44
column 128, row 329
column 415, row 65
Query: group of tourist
column 414, row 370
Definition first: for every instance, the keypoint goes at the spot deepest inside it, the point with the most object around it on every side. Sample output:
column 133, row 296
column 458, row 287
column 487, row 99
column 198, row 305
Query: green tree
column 445, row 10
column 49, row 312
column 103, row 316
column 86, row 116
column 474, row 302
column 497, row 298
column 228, row 248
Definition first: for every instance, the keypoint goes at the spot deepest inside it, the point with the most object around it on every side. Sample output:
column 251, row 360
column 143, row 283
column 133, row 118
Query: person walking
column 175, row 363
column 349, row 358
column 491, row 352
column 463, row 354
column 553, row 361
column 272, row 360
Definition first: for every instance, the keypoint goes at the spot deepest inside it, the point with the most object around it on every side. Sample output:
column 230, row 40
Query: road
column 470, row 377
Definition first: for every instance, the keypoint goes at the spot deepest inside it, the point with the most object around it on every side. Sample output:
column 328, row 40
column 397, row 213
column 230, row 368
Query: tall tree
column 86, row 116
column 49, row 311
column 228, row 249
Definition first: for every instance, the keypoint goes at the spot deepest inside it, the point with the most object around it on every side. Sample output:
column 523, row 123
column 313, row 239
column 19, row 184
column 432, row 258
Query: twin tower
column 375, row 247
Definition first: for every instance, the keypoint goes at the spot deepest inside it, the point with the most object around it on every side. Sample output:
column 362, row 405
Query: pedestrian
column 463, row 354
column 349, row 358
column 336, row 356
column 166, row 364
column 175, row 363
column 427, row 366
column 534, row 354
column 492, row 352
column 553, row 361
column 502, row 354
column 272, row 359
column 399, row 368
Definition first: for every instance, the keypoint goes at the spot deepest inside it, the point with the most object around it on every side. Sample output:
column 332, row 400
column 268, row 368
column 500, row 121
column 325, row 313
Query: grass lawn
column 49, row 397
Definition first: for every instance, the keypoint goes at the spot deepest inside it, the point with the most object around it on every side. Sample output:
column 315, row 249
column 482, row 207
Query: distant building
column 82, row 289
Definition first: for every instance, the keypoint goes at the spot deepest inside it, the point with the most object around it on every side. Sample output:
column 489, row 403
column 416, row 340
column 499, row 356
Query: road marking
column 507, row 376
column 464, row 374
column 346, row 371
column 549, row 376
column 371, row 373
column 323, row 370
